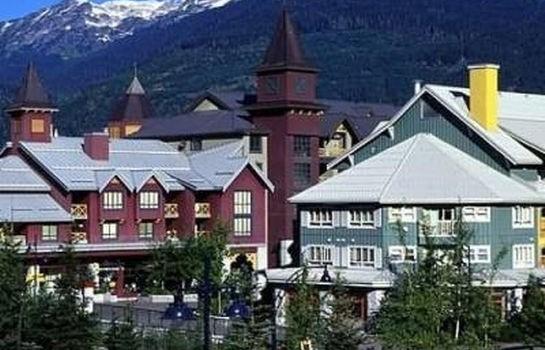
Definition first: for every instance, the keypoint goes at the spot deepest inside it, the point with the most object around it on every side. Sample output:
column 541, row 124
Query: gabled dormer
column 31, row 112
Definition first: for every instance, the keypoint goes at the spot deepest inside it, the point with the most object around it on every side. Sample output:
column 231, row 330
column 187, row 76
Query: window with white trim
column 441, row 221
column 112, row 200
column 523, row 256
column 319, row 255
column 242, row 221
column 523, row 217
column 149, row 200
column 361, row 218
column 109, row 230
column 145, row 230
column 320, row 218
column 50, row 233
column 476, row 214
column 360, row 256
column 479, row 254
column 403, row 214
column 399, row 253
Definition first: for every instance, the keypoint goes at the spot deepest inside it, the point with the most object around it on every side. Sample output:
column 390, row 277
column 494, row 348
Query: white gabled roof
column 455, row 100
column 421, row 170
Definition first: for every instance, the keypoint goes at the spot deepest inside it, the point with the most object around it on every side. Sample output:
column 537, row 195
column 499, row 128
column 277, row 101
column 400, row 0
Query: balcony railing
column 79, row 238
column 439, row 229
column 171, row 211
column 202, row 211
column 331, row 152
column 79, row 211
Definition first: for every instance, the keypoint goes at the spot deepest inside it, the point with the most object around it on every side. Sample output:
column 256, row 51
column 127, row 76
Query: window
column 115, row 132
column 479, row 254
column 441, row 221
column 404, row 214
column 362, row 256
column 523, row 217
column 112, row 200
column 149, row 200
column 319, row 255
column 523, row 256
column 109, row 230
column 195, row 145
column 145, row 230
column 49, row 233
column 243, row 213
column 476, row 214
column 399, row 254
column 301, row 174
column 361, row 218
column 320, row 218
column 256, row 144
column 37, row 126
column 301, row 146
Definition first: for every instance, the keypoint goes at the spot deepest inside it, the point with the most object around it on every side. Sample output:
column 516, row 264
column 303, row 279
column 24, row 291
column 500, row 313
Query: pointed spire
column 134, row 104
column 285, row 50
column 136, row 87
column 31, row 93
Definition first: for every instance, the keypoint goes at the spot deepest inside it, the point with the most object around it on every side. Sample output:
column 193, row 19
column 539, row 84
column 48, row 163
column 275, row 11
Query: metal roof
column 421, row 170
column 455, row 99
column 17, row 176
column 31, row 207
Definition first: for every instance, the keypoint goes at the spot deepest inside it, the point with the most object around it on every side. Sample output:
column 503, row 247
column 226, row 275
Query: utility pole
column 207, row 289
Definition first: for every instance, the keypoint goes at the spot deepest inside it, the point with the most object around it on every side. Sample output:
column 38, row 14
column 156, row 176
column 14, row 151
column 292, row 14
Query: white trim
column 519, row 223
column 471, row 214
column 374, row 249
column 363, row 224
column 322, row 261
column 321, row 223
column 405, row 212
column 476, row 260
column 519, row 250
column 403, row 253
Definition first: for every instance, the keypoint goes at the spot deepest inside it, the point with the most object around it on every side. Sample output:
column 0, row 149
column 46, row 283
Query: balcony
column 439, row 229
column 202, row 211
column 79, row 237
column 171, row 211
column 79, row 211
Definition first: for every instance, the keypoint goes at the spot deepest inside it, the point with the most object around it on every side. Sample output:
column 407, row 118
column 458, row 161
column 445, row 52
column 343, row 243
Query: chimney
column 96, row 145
column 483, row 95
column 417, row 86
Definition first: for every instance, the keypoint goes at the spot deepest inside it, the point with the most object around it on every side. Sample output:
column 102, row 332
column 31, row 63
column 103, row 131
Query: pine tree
column 342, row 331
column 527, row 325
column 123, row 335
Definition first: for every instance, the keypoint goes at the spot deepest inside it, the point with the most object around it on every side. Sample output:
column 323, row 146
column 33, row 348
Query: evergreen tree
column 58, row 320
column 342, row 331
column 303, row 314
column 527, row 325
column 123, row 335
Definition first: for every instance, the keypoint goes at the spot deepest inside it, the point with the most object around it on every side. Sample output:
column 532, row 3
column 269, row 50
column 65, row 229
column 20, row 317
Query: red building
column 115, row 198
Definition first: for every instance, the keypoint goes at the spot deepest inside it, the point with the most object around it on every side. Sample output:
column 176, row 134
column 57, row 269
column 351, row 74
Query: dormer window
column 112, row 200
column 149, row 200
column 37, row 126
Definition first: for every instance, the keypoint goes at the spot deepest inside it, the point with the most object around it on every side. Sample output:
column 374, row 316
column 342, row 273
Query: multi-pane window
column 362, row 256
column 145, row 230
column 479, row 254
column 319, row 255
column 301, row 174
column 476, row 214
column 301, row 146
column 112, row 200
column 37, row 126
column 320, row 218
column 256, row 144
column 523, row 217
column 404, row 214
column 49, row 233
column 523, row 256
column 398, row 254
column 149, row 200
column 109, row 230
column 363, row 218
column 440, row 222
column 242, row 213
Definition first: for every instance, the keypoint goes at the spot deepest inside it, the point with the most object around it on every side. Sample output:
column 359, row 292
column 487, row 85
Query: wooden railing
column 202, row 211
column 439, row 229
column 171, row 211
column 79, row 237
column 79, row 211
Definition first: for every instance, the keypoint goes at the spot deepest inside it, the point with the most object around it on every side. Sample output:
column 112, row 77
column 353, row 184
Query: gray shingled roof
column 421, row 170
column 17, row 176
column 31, row 93
column 136, row 161
column 455, row 100
column 31, row 207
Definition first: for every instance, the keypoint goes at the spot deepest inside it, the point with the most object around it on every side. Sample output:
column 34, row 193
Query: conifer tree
column 527, row 325
column 123, row 335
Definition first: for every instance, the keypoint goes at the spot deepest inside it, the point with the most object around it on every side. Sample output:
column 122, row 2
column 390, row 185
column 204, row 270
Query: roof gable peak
column 31, row 93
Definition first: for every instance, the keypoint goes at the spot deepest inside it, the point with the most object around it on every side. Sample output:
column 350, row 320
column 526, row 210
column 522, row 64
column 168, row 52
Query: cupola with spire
column 31, row 112
column 130, row 110
column 285, row 76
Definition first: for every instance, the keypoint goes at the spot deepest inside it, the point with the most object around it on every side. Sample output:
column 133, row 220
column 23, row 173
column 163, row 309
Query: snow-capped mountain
column 72, row 27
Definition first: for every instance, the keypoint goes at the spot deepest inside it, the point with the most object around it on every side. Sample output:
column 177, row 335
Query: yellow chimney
column 483, row 90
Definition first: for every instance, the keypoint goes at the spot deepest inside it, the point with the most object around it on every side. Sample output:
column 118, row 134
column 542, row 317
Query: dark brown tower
column 130, row 111
column 288, row 110
column 32, row 111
